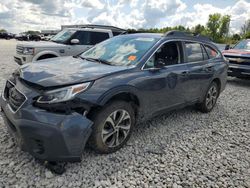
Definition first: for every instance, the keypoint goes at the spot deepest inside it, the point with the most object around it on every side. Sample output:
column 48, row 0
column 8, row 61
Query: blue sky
column 21, row 15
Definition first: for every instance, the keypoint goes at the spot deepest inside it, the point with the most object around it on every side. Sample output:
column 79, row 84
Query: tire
column 210, row 98
column 108, row 132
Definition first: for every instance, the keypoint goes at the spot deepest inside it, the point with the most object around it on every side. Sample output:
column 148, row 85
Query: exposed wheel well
column 128, row 97
column 46, row 56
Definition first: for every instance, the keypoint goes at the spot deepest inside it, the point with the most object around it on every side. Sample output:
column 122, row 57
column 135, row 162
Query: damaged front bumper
column 47, row 136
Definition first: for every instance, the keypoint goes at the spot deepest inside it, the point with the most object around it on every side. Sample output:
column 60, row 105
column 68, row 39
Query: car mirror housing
column 227, row 47
column 74, row 41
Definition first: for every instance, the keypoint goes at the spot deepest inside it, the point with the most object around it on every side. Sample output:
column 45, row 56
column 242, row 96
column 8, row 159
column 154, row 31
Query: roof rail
column 113, row 28
column 186, row 34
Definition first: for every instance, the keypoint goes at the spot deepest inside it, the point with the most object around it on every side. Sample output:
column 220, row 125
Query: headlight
column 28, row 51
column 63, row 94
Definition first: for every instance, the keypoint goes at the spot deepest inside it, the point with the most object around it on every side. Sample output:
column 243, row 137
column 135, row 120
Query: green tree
column 199, row 29
column 247, row 35
column 224, row 26
column 245, row 28
column 3, row 31
column 213, row 25
column 218, row 27
column 236, row 37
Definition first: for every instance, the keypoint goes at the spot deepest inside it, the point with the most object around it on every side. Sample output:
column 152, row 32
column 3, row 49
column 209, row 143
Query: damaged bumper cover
column 47, row 135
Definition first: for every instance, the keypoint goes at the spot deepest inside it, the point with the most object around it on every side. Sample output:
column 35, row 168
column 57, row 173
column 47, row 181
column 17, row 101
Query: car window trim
column 204, row 44
column 218, row 52
column 201, row 45
column 173, row 40
column 176, row 40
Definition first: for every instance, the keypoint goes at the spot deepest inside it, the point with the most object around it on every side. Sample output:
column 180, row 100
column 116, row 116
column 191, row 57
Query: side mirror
column 160, row 63
column 74, row 41
column 227, row 47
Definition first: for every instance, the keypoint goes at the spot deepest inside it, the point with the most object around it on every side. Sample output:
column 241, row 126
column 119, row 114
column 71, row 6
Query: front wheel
column 112, row 127
column 210, row 99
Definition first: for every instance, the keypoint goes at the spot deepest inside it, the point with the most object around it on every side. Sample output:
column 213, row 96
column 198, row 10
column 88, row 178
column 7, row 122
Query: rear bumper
column 47, row 136
column 239, row 70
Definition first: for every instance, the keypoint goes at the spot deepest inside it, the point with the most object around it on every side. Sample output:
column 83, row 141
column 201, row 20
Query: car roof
column 155, row 35
column 88, row 29
column 180, row 36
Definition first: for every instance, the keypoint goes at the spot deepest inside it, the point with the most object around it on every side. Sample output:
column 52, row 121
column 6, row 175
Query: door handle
column 209, row 68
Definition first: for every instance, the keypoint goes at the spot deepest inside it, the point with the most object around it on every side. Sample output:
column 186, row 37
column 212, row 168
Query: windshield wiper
column 102, row 61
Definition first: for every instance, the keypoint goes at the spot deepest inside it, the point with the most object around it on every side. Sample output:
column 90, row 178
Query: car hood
column 61, row 71
column 237, row 52
column 41, row 44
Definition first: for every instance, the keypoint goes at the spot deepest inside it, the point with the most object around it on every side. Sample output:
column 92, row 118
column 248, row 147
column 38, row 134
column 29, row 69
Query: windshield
column 63, row 36
column 243, row 45
column 122, row 50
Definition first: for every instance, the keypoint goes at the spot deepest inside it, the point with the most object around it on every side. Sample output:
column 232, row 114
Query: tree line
column 217, row 28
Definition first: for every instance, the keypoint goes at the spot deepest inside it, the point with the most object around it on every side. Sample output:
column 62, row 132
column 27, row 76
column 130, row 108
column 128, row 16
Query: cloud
column 21, row 15
column 93, row 4
column 156, row 10
column 239, row 13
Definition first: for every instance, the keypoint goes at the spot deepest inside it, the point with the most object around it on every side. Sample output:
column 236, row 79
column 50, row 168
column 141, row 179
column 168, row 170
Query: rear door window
column 97, row 37
column 194, row 52
column 212, row 53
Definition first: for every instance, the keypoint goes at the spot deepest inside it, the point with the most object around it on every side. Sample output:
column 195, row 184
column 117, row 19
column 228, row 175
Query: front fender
column 45, row 53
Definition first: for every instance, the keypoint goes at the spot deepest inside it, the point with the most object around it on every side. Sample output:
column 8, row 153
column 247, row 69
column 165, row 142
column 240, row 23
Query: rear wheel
column 112, row 127
column 210, row 99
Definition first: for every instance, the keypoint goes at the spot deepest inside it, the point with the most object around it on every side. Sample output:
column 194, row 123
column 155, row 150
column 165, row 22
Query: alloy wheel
column 211, row 97
column 116, row 128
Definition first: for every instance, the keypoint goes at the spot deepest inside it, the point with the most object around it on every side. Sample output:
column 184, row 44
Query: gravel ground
column 184, row 148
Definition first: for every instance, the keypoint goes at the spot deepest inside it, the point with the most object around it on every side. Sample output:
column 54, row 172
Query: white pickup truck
column 68, row 42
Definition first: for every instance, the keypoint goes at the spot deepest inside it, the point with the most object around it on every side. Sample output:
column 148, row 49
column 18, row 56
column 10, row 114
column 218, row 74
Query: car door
column 200, row 70
column 164, row 83
column 83, row 45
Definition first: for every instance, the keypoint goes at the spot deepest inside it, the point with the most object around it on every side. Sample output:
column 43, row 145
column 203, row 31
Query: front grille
column 18, row 60
column 14, row 97
column 19, row 50
column 238, row 60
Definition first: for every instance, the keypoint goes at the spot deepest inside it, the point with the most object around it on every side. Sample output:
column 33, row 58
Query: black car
column 22, row 37
column 28, row 37
column 55, row 106
column 7, row 36
column 239, row 59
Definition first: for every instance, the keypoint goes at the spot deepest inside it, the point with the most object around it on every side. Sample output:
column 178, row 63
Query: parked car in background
column 239, row 59
column 7, row 36
column 28, row 37
column 21, row 37
column 69, row 42
column 34, row 37
column 55, row 106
